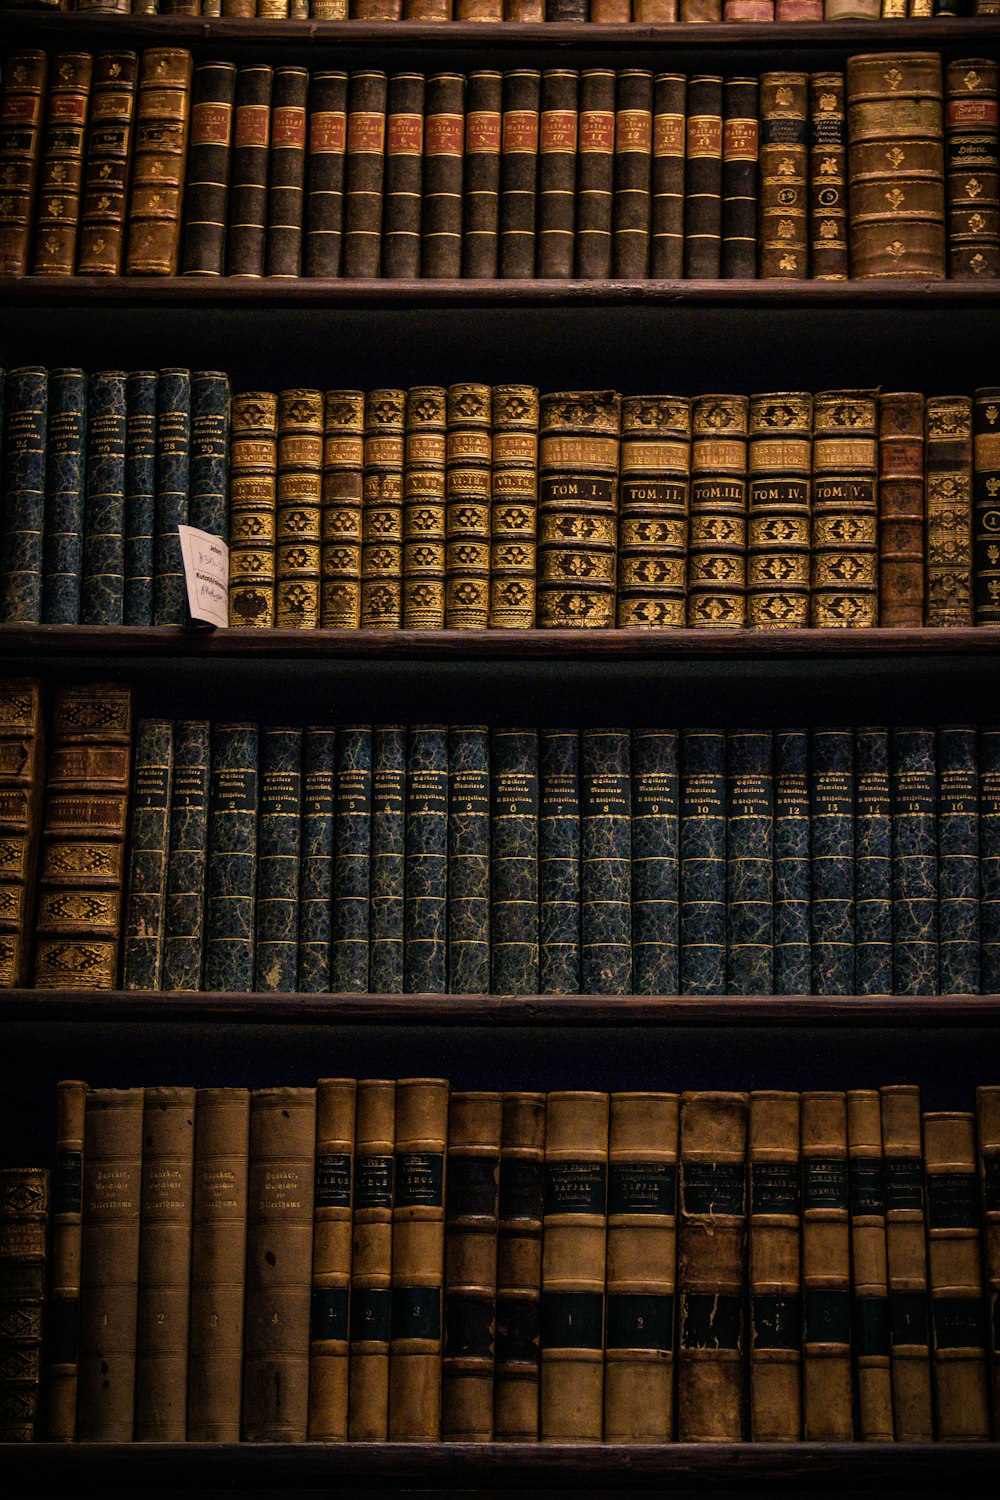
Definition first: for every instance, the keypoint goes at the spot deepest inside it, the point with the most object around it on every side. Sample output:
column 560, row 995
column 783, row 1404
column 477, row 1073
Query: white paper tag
column 206, row 570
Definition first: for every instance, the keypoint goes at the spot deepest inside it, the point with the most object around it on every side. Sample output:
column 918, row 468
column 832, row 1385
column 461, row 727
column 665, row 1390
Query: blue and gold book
column 65, row 467
column 140, row 495
column 425, row 949
column 388, row 858
column 559, row 862
column 184, row 939
column 469, row 859
column 989, row 861
column 145, row 906
column 102, row 599
column 279, row 846
column 351, row 851
column 749, row 862
column 208, row 507
column 914, row 863
column 792, row 950
column 703, row 862
column 319, row 769
column 231, row 878
column 23, row 509
column 514, row 862
column 606, row 861
column 655, row 862
column 958, row 861
column 873, row 863
column 173, row 462
column 832, row 833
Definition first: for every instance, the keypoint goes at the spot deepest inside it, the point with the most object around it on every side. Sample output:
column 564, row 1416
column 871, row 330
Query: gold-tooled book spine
column 956, row 1277
column 467, row 486
column 578, row 509
column 24, row 77
column 22, row 780
column 988, row 1114
column 948, row 501
column 105, row 177
column 470, row 1268
column 218, row 1251
column 299, row 509
column 329, row 1344
column 157, row 190
column 972, row 121
column 253, row 462
column 826, row 1270
column 654, row 484
column 845, row 510
column 906, row 1259
column 424, row 508
column 83, row 839
column 514, row 507
column 58, row 208
column 519, row 1268
column 63, row 1312
column 573, row 1267
column 717, row 535
column 895, row 127
column 869, row 1266
column 828, row 177
column 780, row 469
column 24, row 1222
column 641, row 1259
column 371, row 1261
column 775, row 1271
column 418, row 1260
column 340, row 557
column 382, row 523
column 901, row 508
column 784, row 176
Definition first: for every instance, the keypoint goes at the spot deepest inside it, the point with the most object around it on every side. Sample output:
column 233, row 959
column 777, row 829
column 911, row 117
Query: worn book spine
column 832, row 854
column 988, row 1120
column 467, row 500
column 655, row 858
column 873, row 863
column 364, row 173
column 425, row 946
column 57, row 210
column 388, row 856
column 595, row 173
column 633, row 166
column 26, row 399
column 24, row 1242
column 351, row 855
column 703, row 178
column 986, row 504
column 109, row 1268
column 21, row 106
column 703, row 862
column 519, row 1268
column 382, row 524
column 958, row 860
column 792, row 945
column 826, row 1270
column 784, row 176
column 184, row 937
column 718, row 525
column 173, row 459
column 778, row 538
column 341, row 520
column 279, row 1265
column 469, row 859
column 869, row 1271
column 444, row 148
column 845, row 510
column 22, row 777
column 514, row 915
column 513, row 507
column 828, row 250
column 145, row 906
column 559, row 861
column 65, row 452
column 749, row 862
column 557, row 159
column 972, row 159
column 906, row 1257
column 519, row 172
column 140, row 497
column 989, row 860
column 605, row 862
column 914, row 862
column 371, row 1261
column 775, row 1230
column 404, row 150
column 324, row 203
column 741, row 152
column 157, row 184
column 481, row 173
column 654, row 484
column 253, row 463
column 416, row 1324
column 247, row 208
column 666, row 204
column 102, row 592
column 213, row 91
column 105, row 176
column 286, row 175
column 901, row 508
column 578, row 509
column 298, row 515
column 208, row 487
column 231, row 871
column 948, row 500
column 329, row 1340
column 424, row 508
column 63, row 1309
column 279, row 853
column 316, row 870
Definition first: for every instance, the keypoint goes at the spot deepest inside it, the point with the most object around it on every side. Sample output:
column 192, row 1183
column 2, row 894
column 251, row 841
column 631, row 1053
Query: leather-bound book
column 109, row 1269
column 329, row 1344
column 103, row 585
column 22, row 545
column 173, row 484
column 666, row 206
column 989, row 859
column 873, row 863
column 567, row 10
column 467, row 496
column 641, row 1259
column 24, row 1222
column 988, row 1117
column 231, row 871
column 655, row 470
column 869, row 1272
column 906, row 1255
column 741, row 143
column 279, row 1264
column 418, row 1260
column 157, row 185
column 387, row 890
column 775, row 1273
column 954, row 1257
column 557, row 158
column 184, row 924
column 149, row 848
column 138, row 544
column 351, row 860
column 573, row 1267
column 703, row 862
column 711, row 1255
column 364, row 173
column 61, row 168
column 425, row 945
column 845, row 510
column 247, row 207
column 519, row 1269
column 914, row 862
column 426, row 10
column 424, row 508
column 65, row 450
column 655, row 862
column 578, row 509
column 700, row 10
column 481, row 173
column 718, row 526
column 299, row 509
column 218, row 1247
column 832, row 851
column 22, row 776
column 478, row 10
column 654, row 12
column 948, row 500
column 371, row 1261
column 514, row 912
column 792, row 946
column 340, row 553
column 519, row 172
column 469, row 859
column 896, row 165
column 986, row 504
column 208, row 502
column 749, row 862
column 605, row 862
column 63, row 1308
column 827, row 177
column 610, row 12
column 474, row 1124
column 83, row 838
column 524, row 10
column 286, row 173
column 444, row 147
column 826, row 1270
column 382, row 523
column 972, row 158
column 279, row 847
column 901, row 508
column 213, row 91
column 376, row 10
column 105, row 174
column 559, row 861
column 21, row 104
column 402, row 191
column 595, row 174
column 784, row 176
column 703, row 174
column 324, row 218
column 958, row 860
column 513, row 507
column 633, row 166
column 778, row 541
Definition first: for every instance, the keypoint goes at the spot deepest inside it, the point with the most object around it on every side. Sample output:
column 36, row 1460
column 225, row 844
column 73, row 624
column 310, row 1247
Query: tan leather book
column 63, row 1312
column 901, row 508
column 524, row 10
column 775, row 1271
column 869, row 1267
column 519, row 1268
column 988, row 1115
column 298, row 511
column 424, row 508
column 331, row 1268
column 105, row 177
column 371, row 1263
column 218, row 1255
column 641, row 1262
column 845, row 510
column 24, row 1216
column 718, row 531
column 783, row 212
column 470, row 1267
column 58, row 208
column 948, row 498
column 382, row 523
column 826, row 1270
column 780, row 504
column 467, row 493
column 21, row 104
column 253, row 463
column 157, row 192
column 22, row 780
column 340, row 556
column 514, row 507
column 654, row 485
column 578, row 509
column 906, row 1256
column 279, row 1265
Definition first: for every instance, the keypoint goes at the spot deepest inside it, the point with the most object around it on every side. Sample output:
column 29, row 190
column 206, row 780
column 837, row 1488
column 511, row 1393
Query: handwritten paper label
column 206, row 570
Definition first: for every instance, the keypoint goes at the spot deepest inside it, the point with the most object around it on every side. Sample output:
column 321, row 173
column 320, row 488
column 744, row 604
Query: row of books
column 474, row 507
column 428, row 860
column 257, row 170
column 377, row 1260
column 605, row 12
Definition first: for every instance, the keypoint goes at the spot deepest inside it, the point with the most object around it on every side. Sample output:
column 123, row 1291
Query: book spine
column 988, row 1133
column 351, row 859
column 279, row 854
column 784, row 176
column 869, row 1268
column 324, row 223
column 779, row 463
column 948, row 499
column 105, row 177
column 595, row 173
column 231, row 872
column 340, row 523
column 519, row 1268
column 741, row 145
column 24, row 440
column 183, row 940
column 832, row 834
column 173, row 459
column 972, row 160
column 364, row 172
column 914, row 862
column 792, row 946
column 989, row 860
column 65, row 447
column 329, row 1342
column 388, row 855
column 749, row 863
column 514, row 913
column 906, row 1257
column 633, row 166
column 425, row 949
column 703, row 178
column 280, row 1201
column 382, row 525
column 467, row 498
column 986, row 504
column 513, row 507
column 481, row 173
column 775, row 1273
column 319, row 762
column 559, row 862
column 149, row 851
column 157, row 185
column 371, row 1261
column 519, row 172
column 703, row 862
column 57, row 209
column 286, row 173
column 218, row 1247
column 404, row 150
column 22, row 774
column 424, row 508
column 654, row 484
column 253, row 466
column 826, row 1270
column 901, row 509
column 63, row 1310
column 958, row 860
column 213, row 91
column 24, row 1223
column 845, row 510
column 557, row 158
column 828, row 177
column 208, row 508
column 247, row 234
column 140, row 497
column 21, row 104
column 666, row 208
column 655, row 862
column 102, row 593
column 469, row 860
column 605, row 862
column 444, row 149
column 718, row 531
column 873, row 863
column 578, row 509
column 298, row 516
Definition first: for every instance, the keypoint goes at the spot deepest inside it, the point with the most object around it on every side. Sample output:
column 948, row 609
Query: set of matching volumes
column 254, row 170
column 375, row 1260
column 607, row 12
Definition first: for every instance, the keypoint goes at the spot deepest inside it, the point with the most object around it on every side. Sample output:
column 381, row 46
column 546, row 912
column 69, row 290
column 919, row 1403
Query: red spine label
column 366, row 132
column 252, row 125
column 482, row 131
column 597, row 130
column 68, row 107
column 288, row 126
column 404, row 135
column 739, row 140
column 558, row 130
column 328, row 131
column 704, row 135
column 21, row 109
column 443, row 135
column 210, row 124
column 633, row 130
column 520, row 130
column 668, row 135
column 973, row 112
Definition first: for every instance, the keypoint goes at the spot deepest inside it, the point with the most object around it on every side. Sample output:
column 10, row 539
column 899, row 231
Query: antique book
column 481, row 173
column 402, row 191
column 319, row 770
column 784, row 176
column 22, row 779
column 559, row 862
column 352, row 817
column 869, row 1270
column 989, row 859
column 828, row 250
column 972, row 159
column 102, row 586
column 573, row 1267
column 513, row 507
column 519, row 1268
column 65, row 465
column 654, row 485
column 986, row 504
column 184, row 919
column 387, row 890
column 914, row 775
column 63, row 1307
column 557, row 167
column 666, row 205
column 749, row 862
column 633, row 165
column 958, row 860
column 253, row 462
column 298, row 513
column 213, row 91
column 703, row 174
column 247, row 207
column 718, row 526
column 364, row 173
column 906, row 1255
column 831, row 832
column 279, row 847
column 792, row 882
column 467, row 500
column 741, row 143
column 371, row 1261
column 26, row 396
column 21, row 105
column 779, row 458
column 988, row 1118
column 105, row 175
column 327, row 146
column 286, row 173
column 329, row 1335
column 655, row 862
column 425, row 934
column 948, row 501
column 156, row 191
column 231, row 869
column 208, row 480
column 340, row 522
column 901, row 508
column 873, row 863
column 444, row 147
column 173, row 459
column 149, row 852
column 703, row 862
column 845, row 510
column 519, row 172
column 469, row 859
column 382, row 522
column 826, row 1270
column 605, row 862
column 578, row 509
column 60, row 176
column 595, row 173
column 514, row 819
column 24, row 1221
column 775, row 1233
column 140, row 497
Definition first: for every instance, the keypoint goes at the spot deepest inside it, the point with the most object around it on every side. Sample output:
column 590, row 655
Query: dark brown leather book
column 63, row 1311
column 286, row 173
column 703, row 178
column 371, row 1261
column 988, row 1118
column 666, row 209
column 22, row 778
column 906, row 1257
column 481, row 176
column 467, row 496
column 775, row 1275
column 826, row 1270
column 213, row 91
column 869, row 1269
column 61, row 172
column 595, row 173
column 784, row 176
column 845, row 509
column 105, row 175
column 382, row 523
column 364, row 172
column 740, row 153
column 948, row 499
column 21, row 104
column 986, row 504
column 331, row 1259
column 780, row 467
column 557, row 156
column 578, row 509
column 718, row 527
column 253, row 462
column 633, row 162
column 340, row 555
column 444, row 149
column 157, row 187
column 298, row 517
column 519, row 172
column 827, row 177
column 901, row 508
column 654, row 484
column 519, row 1268
column 248, row 190
column 402, row 191
column 24, row 1222
column 972, row 158
column 426, row 10
column 514, row 507
column 524, row 10
column 424, row 508
column 325, row 173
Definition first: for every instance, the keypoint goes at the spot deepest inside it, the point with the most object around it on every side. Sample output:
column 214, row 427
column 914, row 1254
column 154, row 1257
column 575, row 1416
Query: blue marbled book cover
column 469, row 859
column 749, row 862
column 655, row 861
column 103, row 597
column 23, row 510
column 173, row 461
column 425, row 952
column 140, row 495
column 351, row 861
column 388, row 859
column 703, row 862
column 319, row 770
column 65, row 470
column 232, row 859
column 873, row 863
column 184, row 940
column 559, row 862
column 606, row 861
column 208, row 508
column 792, row 950
column 279, row 846
column 989, row 861
column 514, row 862
column 958, row 860
column 914, row 862
column 145, row 906
column 832, row 833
